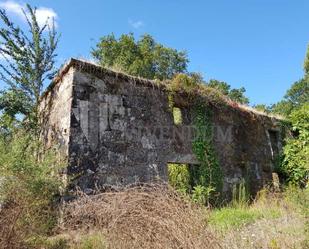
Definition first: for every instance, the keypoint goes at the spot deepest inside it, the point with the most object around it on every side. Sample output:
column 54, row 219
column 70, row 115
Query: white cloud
column 46, row 14
column 2, row 56
column 43, row 14
column 12, row 7
column 136, row 24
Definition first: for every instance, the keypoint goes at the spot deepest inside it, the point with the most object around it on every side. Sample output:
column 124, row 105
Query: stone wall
column 55, row 113
column 121, row 130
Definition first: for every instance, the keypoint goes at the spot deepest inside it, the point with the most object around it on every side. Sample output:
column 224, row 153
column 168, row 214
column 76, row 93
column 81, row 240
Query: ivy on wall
column 206, row 179
column 209, row 173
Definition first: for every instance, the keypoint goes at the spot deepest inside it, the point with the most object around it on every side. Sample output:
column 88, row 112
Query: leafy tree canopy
column 29, row 58
column 295, row 97
column 144, row 57
column 262, row 107
column 234, row 94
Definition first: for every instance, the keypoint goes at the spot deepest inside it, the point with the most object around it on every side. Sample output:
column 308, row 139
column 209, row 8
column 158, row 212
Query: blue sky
column 258, row 44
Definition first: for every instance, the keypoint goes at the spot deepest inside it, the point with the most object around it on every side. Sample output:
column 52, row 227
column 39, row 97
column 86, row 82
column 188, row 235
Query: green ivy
column 206, row 180
column 209, row 172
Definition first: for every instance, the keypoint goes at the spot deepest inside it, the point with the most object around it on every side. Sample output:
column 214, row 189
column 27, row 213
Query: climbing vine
column 205, row 181
column 209, row 173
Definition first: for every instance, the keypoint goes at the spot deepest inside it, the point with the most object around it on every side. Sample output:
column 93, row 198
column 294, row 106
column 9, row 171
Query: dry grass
column 155, row 216
column 141, row 217
column 281, row 233
column 10, row 236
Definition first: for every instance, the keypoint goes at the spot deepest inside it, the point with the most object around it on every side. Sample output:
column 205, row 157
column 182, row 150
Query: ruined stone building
column 116, row 129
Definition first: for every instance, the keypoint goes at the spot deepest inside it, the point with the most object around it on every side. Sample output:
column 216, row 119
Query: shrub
column 185, row 81
column 28, row 190
column 296, row 150
column 202, row 194
column 179, row 177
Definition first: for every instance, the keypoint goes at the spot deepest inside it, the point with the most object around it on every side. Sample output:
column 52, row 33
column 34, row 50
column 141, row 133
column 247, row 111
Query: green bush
column 30, row 183
column 185, row 82
column 179, row 177
column 202, row 194
column 296, row 151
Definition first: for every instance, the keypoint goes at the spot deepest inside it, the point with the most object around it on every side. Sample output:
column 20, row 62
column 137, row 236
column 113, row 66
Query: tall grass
column 29, row 187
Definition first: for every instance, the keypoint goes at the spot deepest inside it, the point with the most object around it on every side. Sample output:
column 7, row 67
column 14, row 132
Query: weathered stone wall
column 122, row 131
column 55, row 110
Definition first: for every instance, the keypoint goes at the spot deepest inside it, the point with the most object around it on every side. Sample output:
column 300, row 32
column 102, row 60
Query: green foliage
column 29, row 60
column 283, row 108
column 298, row 198
column 296, row 150
column 177, row 116
column 262, row 108
column 29, row 186
column 234, row 94
column 221, row 86
column 206, row 180
column 209, row 173
column 202, row 194
column 240, row 195
column 145, row 57
column 294, row 98
column 238, row 95
column 92, row 241
column 186, row 82
column 179, row 177
column 295, row 106
column 298, row 94
column 230, row 217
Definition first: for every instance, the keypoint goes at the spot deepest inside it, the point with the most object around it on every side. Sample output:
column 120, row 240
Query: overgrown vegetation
column 296, row 151
column 30, row 185
column 141, row 217
column 30, row 178
column 152, row 216
column 295, row 158
column 155, row 216
column 145, row 57
column 209, row 174
column 273, row 220
column 205, row 181
column 29, row 58
column 149, row 59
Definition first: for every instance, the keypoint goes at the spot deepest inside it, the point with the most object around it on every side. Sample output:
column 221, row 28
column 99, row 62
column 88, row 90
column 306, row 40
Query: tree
column 145, row 57
column 222, row 86
column 296, row 150
column 29, row 61
column 234, row 94
column 262, row 107
column 294, row 98
column 306, row 63
column 238, row 95
column 297, row 95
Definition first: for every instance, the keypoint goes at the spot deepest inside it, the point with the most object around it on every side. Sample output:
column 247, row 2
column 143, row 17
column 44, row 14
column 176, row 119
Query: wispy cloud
column 136, row 24
column 43, row 14
column 3, row 57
